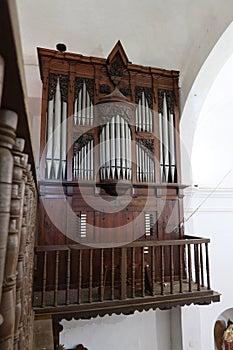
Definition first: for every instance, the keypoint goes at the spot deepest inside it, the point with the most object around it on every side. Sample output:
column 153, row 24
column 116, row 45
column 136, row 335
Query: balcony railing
column 140, row 275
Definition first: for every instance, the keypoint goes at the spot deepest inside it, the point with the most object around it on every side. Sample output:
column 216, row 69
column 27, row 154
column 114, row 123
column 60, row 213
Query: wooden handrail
column 88, row 275
column 179, row 242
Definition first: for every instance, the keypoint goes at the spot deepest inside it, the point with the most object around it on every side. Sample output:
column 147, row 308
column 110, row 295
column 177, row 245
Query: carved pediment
column 117, row 62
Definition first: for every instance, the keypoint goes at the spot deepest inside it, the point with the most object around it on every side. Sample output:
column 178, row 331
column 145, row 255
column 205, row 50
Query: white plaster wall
column 34, row 87
column 211, row 159
column 198, row 115
column 152, row 330
column 213, row 220
column 136, row 332
column 212, row 170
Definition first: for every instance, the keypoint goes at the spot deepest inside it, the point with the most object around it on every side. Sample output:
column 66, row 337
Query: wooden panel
column 48, row 233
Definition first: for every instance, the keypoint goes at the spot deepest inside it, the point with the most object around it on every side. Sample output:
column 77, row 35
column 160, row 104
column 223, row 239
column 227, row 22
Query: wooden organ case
column 110, row 176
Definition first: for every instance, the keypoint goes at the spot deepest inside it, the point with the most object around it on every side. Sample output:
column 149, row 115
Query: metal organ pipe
column 92, row 160
column 83, row 103
column 167, row 143
column 165, row 138
column 113, row 160
column 63, row 138
column 143, row 113
column 56, row 132
column 83, row 107
column 161, row 146
column 56, row 136
column 84, row 162
column 118, row 146
column 49, row 150
column 144, row 120
column 129, row 153
column 172, row 146
column 115, row 140
column 145, row 164
column 107, row 144
column 123, row 138
column 101, row 153
column 80, row 107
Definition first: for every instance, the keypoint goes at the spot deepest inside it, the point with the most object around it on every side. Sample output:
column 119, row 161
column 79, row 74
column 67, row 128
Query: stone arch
column 193, row 106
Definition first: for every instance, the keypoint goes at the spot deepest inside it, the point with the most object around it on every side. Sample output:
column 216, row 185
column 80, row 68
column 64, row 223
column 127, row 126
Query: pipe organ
column 56, row 138
column 110, row 151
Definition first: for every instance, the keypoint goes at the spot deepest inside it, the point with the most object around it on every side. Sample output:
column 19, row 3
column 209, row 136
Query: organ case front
column 110, row 152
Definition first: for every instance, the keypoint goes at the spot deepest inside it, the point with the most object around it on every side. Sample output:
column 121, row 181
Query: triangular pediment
column 118, row 52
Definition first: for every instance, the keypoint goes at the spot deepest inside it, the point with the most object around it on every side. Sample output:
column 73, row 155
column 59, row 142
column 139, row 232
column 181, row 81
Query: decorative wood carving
column 63, row 80
column 104, row 89
column 116, row 68
column 89, row 84
column 170, row 100
column 82, row 141
column 125, row 91
column 108, row 110
column 148, row 144
column 148, row 93
column 52, row 85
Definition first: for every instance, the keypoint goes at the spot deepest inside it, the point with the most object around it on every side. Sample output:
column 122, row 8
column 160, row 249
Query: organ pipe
column 56, row 136
column 56, row 131
column 115, row 150
column 144, row 120
column 107, row 160
column 123, row 148
column 63, row 138
column 49, row 138
column 83, row 107
column 113, row 160
column 167, row 143
column 83, row 162
column 161, row 146
column 145, row 164
column 129, row 157
column 118, row 145
column 172, row 147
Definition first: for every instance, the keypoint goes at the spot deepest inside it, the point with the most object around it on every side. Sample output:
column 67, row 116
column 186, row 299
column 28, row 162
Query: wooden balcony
column 122, row 279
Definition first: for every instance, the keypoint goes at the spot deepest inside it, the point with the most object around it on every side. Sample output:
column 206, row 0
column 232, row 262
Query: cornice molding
column 210, row 192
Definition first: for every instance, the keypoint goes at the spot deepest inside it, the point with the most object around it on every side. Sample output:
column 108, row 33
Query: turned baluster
column 17, row 152
column 8, row 123
column 21, row 266
column 26, row 258
column 29, row 255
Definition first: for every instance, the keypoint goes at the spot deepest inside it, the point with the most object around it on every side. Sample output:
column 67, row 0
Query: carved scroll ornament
column 108, row 110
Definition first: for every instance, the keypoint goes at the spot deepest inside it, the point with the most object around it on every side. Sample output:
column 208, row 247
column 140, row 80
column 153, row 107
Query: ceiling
column 177, row 34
